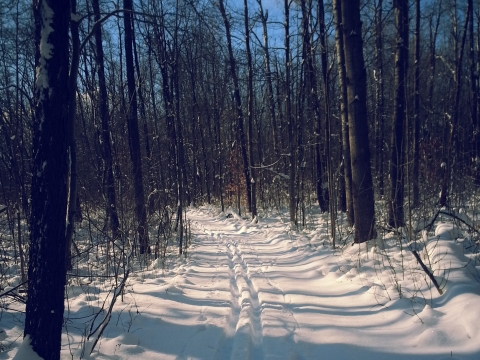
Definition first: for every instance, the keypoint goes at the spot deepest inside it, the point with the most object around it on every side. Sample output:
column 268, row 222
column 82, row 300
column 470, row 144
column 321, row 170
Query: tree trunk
column 379, row 98
column 238, row 106
column 416, row 112
column 289, row 117
column 268, row 75
column 342, row 80
column 72, row 147
column 452, row 124
column 396, row 217
column 328, row 152
column 362, row 189
column 474, row 97
column 47, row 263
column 106, row 146
column 143, row 114
column 253, row 183
column 133, row 133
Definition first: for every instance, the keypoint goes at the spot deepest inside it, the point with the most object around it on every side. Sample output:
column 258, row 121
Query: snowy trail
column 262, row 292
column 275, row 289
column 288, row 301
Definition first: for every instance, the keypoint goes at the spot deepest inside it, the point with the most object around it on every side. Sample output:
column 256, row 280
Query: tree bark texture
column 106, row 145
column 452, row 122
column 253, row 182
column 362, row 189
column 396, row 216
column 416, row 112
column 342, row 81
column 47, row 263
column 289, row 118
column 133, row 133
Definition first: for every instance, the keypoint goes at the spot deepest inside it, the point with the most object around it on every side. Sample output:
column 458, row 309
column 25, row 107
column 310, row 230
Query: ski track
column 277, row 300
column 248, row 282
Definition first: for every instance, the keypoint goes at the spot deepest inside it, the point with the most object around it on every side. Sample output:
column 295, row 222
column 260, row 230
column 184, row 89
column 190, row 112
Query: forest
column 118, row 119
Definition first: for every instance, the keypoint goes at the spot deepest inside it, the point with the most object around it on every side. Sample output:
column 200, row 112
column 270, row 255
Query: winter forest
column 240, row 179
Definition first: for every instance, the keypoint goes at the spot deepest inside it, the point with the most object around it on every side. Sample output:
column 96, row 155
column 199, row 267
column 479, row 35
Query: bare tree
column 133, row 133
column 289, row 117
column 416, row 111
column 397, row 161
column 362, row 187
column 452, row 122
column 47, row 264
column 342, row 81
column 250, row 96
column 238, row 105
column 106, row 146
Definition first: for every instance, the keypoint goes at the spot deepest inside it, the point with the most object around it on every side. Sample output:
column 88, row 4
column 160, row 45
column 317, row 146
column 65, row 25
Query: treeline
column 185, row 102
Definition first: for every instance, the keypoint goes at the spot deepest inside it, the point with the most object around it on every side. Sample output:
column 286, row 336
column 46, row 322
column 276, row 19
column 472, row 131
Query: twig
column 97, row 333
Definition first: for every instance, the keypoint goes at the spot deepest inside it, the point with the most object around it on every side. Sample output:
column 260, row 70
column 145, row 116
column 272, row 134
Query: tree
column 362, row 189
column 396, row 212
column 416, row 111
column 238, row 105
column 47, row 264
column 474, row 94
column 342, row 83
column 133, row 133
column 268, row 74
column 328, row 149
column 289, row 117
column 379, row 97
column 111, row 203
column 253, row 184
column 452, row 122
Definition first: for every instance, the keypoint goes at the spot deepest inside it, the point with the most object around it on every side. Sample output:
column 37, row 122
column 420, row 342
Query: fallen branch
column 12, row 293
column 463, row 219
column 467, row 222
column 428, row 225
column 427, row 271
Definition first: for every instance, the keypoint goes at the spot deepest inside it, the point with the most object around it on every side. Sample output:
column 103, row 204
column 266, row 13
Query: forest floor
column 262, row 290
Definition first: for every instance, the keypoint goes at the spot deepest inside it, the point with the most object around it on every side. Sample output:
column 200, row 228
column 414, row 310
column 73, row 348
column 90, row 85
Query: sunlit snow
column 264, row 290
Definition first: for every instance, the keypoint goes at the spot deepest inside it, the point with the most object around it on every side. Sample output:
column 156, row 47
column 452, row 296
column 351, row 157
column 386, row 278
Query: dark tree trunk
column 452, row 123
column 47, row 263
column 397, row 161
column 238, row 106
column 416, row 112
column 133, row 133
column 379, row 98
column 474, row 96
column 268, row 75
column 106, row 146
column 146, row 136
column 253, row 183
column 362, row 189
column 72, row 146
column 289, row 117
column 347, row 166
column 328, row 152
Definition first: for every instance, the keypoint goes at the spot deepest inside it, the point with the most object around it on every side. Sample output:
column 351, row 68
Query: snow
column 265, row 290
column 25, row 351
column 46, row 48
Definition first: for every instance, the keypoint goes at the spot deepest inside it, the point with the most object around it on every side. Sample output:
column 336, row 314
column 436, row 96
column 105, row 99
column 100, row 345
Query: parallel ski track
column 243, row 337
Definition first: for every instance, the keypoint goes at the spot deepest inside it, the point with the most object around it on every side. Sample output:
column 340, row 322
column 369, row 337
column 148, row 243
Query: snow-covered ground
column 262, row 290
